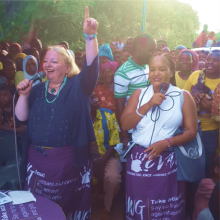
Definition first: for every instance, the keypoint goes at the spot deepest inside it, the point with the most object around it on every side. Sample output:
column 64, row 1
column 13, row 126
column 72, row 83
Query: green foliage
column 58, row 20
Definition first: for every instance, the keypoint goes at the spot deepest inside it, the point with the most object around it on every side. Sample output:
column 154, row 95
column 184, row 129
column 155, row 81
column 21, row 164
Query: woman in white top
column 152, row 189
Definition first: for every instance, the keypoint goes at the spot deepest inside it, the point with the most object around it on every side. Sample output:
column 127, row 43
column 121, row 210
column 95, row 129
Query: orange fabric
column 201, row 39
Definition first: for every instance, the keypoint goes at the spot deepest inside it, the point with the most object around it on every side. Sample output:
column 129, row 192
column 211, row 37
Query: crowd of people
column 91, row 104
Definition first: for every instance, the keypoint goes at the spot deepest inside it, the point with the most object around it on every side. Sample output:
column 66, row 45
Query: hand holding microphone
column 158, row 98
column 25, row 86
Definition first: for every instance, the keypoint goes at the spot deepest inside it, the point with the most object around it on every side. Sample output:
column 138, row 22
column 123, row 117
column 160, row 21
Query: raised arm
column 90, row 27
column 90, row 71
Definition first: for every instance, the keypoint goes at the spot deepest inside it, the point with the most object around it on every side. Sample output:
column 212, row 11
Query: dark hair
column 169, row 57
column 171, row 61
column 9, row 57
column 36, row 43
column 142, row 39
column 30, row 51
column 65, row 43
column 162, row 41
column 78, row 54
column 8, row 61
column 43, row 53
column 205, row 51
column 10, row 89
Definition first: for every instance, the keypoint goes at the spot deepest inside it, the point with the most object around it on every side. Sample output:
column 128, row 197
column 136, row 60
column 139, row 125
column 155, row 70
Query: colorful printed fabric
column 216, row 111
column 99, row 131
column 129, row 77
column 216, row 104
column 106, row 97
column 207, row 123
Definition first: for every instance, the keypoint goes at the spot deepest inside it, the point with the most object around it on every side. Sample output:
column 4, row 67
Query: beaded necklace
column 57, row 95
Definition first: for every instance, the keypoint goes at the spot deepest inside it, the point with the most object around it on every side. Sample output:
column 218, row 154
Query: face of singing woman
column 54, row 66
column 159, row 71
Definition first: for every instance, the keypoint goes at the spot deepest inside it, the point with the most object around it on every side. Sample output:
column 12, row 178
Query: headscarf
column 20, row 55
column 26, row 75
column 180, row 47
column 112, row 65
column 195, row 58
column 18, row 45
column 106, row 51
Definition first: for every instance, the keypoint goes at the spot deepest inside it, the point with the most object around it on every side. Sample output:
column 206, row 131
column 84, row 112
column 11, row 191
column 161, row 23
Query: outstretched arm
column 90, row 27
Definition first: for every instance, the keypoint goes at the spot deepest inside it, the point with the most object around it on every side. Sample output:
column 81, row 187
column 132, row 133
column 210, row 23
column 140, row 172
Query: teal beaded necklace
column 57, row 95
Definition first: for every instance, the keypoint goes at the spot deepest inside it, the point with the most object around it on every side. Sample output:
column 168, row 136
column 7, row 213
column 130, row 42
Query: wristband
column 168, row 140
column 89, row 37
column 139, row 113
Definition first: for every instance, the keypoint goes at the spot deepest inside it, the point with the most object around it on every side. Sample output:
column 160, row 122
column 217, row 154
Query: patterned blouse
column 216, row 104
column 106, row 97
column 99, row 131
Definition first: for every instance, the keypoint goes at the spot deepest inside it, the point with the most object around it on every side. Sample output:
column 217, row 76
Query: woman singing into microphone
column 60, row 128
column 152, row 189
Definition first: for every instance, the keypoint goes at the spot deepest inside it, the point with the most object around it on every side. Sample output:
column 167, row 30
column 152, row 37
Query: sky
column 208, row 11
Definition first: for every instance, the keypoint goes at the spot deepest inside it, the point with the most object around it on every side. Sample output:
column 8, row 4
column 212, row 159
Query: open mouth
column 50, row 71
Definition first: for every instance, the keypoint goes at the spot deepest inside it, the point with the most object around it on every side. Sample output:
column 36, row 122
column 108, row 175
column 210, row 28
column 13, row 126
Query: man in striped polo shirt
column 133, row 75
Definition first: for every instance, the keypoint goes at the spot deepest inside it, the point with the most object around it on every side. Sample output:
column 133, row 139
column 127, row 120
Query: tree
column 55, row 21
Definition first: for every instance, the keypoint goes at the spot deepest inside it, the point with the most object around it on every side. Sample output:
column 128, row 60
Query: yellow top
column 207, row 123
column 19, row 77
column 180, row 83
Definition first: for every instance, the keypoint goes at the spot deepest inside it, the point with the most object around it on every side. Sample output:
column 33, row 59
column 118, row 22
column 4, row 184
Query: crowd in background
column 119, row 64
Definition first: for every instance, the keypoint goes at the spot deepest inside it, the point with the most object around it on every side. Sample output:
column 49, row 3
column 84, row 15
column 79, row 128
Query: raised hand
column 90, row 25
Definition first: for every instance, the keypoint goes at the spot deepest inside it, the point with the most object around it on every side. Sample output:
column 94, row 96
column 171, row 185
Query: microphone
column 38, row 76
column 163, row 88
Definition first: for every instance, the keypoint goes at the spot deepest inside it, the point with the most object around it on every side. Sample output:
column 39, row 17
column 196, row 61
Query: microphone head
column 41, row 74
column 164, row 87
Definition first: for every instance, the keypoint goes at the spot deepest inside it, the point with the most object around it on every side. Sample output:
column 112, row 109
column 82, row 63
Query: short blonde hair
column 67, row 58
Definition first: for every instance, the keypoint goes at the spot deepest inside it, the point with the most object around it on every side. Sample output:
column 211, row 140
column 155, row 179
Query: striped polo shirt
column 129, row 77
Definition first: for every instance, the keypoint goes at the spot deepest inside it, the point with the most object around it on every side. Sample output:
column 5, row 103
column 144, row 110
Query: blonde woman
column 60, row 129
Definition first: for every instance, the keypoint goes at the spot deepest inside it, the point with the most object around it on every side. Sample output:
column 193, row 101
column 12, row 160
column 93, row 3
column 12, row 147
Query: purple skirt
column 152, row 189
column 55, row 177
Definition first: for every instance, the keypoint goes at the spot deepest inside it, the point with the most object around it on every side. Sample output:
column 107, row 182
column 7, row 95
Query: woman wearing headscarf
column 187, row 63
column 19, row 61
column 180, row 47
column 105, row 93
column 30, row 68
